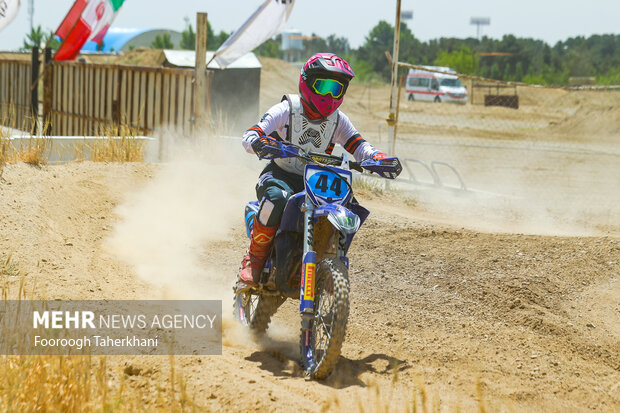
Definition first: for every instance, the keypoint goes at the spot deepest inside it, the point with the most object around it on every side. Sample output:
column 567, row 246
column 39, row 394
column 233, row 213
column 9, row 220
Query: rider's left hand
column 378, row 156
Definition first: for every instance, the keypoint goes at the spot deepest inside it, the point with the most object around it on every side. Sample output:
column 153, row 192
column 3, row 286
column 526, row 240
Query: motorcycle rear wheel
column 322, row 344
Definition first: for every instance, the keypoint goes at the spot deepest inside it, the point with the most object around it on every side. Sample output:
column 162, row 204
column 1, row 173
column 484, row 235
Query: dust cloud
column 172, row 230
column 522, row 189
column 194, row 200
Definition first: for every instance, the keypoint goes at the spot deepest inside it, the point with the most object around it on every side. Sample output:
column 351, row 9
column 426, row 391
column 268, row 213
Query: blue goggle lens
column 328, row 87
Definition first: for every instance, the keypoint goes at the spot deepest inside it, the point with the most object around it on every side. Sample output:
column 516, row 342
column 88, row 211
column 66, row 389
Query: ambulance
column 435, row 87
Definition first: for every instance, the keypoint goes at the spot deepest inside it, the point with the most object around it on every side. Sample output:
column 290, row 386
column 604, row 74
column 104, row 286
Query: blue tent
column 115, row 39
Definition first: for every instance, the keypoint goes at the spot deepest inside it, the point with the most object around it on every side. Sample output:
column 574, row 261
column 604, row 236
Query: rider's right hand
column 261, row 144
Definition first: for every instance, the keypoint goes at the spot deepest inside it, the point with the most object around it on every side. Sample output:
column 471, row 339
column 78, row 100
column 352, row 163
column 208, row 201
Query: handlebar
column 388, row 168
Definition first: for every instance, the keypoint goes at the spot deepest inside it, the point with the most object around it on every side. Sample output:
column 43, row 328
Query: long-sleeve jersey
column 275, row 123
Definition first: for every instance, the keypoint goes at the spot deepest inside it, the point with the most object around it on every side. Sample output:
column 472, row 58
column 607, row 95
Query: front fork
column 308, row 267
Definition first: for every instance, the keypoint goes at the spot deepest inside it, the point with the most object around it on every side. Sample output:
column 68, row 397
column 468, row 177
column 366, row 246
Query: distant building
column 119, row 39
column 292, row 45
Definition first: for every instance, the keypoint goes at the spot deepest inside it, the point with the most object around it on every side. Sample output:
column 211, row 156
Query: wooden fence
column 94, row 99
column 82, row 99
column 15, row 94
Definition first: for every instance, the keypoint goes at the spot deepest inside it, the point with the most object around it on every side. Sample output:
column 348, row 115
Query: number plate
column 325, row 186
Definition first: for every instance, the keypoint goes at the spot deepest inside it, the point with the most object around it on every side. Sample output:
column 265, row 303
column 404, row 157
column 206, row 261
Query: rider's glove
column 260, row 144
column 379, row 155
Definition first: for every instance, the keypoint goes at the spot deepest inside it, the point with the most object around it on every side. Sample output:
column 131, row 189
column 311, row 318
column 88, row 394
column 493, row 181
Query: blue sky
column 550, row 20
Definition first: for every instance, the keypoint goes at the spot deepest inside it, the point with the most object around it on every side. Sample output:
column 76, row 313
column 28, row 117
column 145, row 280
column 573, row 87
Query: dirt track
column 450, row 303
column 535, row 319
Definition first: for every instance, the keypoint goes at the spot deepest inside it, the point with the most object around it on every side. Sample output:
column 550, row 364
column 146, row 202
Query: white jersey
column 313, row 135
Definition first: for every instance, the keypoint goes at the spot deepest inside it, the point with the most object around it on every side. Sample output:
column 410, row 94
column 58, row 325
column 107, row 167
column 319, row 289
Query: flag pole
column 49, row 39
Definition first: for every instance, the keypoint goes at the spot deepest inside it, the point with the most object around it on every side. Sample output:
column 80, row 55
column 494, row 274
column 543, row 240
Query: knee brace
column 264, row 212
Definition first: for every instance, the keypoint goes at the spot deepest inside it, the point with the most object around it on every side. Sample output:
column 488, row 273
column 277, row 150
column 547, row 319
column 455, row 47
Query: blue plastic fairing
column 293, row 218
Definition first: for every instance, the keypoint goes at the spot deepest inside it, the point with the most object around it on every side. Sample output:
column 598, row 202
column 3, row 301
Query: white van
column 435, row 87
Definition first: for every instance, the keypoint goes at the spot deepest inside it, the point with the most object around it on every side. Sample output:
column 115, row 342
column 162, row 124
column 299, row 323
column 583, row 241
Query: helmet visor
column 328, row 87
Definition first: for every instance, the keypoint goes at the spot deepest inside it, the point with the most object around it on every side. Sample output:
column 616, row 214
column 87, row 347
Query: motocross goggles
column 328, row 87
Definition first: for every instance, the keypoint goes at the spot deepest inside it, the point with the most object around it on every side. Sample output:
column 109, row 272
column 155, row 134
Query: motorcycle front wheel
column 255, row 311
column 321, row 345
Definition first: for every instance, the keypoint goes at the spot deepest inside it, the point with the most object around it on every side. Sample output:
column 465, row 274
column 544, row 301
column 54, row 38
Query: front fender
column 341, row 218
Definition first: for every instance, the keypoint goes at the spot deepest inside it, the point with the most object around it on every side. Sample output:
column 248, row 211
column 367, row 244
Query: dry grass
column 120, row 145
column 33, row 153
column 124, row 149
column 44, row 383
column 83, row 384
column 7, row 267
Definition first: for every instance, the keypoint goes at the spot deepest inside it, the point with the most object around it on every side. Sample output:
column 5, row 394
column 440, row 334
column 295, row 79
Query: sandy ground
column 533, row 319
column 505, row 297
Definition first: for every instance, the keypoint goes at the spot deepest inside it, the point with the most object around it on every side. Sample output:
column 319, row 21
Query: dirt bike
column 308, row 260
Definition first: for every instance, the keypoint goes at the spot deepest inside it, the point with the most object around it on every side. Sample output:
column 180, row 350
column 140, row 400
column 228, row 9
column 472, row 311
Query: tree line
column 510, row 58
column 595, row 58
column 188, row 39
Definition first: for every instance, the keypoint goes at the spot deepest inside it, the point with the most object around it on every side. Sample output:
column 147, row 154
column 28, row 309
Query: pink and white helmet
column 323, row 82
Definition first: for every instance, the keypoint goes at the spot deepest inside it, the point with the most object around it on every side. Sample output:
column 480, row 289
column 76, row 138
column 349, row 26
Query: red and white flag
column 87, row 20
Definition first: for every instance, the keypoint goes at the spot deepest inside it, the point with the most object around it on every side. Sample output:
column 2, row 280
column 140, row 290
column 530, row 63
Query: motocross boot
column 254, row 261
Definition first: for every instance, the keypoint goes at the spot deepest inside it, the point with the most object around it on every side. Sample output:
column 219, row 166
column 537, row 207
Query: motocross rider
column 311, row 120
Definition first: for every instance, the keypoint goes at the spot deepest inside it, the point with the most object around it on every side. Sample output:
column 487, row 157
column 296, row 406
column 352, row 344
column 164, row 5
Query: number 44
column 323, row 184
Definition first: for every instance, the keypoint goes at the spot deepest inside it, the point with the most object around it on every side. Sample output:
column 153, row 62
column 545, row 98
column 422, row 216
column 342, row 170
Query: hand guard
column 388, row 168
column 269, row 148
column 266, row 147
